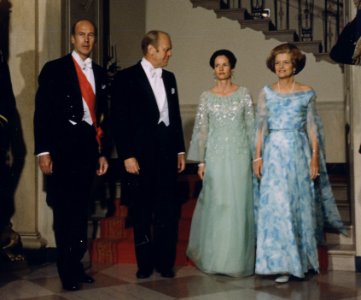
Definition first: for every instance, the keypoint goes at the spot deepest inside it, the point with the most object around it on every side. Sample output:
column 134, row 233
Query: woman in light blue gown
column 294, row 200
column 222, row 237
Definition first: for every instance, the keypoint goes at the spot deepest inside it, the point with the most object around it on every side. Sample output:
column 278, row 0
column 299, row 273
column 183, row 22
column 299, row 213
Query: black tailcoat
column 136, row 132
column 71, row 142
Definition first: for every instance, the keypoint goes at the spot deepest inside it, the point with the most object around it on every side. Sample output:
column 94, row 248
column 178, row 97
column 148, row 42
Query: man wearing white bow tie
column 147, row 131
column 70, row 112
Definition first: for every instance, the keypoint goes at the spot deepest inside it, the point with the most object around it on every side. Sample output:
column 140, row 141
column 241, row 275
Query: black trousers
column 154, row 208
column 68, row 194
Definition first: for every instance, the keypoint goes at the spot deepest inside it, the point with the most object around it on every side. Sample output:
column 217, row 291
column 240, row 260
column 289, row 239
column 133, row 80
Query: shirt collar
column 148, row 67
column 82, row 63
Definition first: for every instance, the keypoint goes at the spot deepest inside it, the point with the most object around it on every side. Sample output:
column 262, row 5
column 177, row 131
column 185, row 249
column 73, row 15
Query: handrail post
column 326, row 26
column 288, row 14
column 276, row 14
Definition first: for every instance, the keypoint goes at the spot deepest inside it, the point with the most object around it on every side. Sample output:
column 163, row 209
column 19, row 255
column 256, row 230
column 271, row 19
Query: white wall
column 127, row 27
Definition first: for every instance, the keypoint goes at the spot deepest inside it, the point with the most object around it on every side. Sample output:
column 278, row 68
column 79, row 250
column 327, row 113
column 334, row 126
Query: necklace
column 292, row 87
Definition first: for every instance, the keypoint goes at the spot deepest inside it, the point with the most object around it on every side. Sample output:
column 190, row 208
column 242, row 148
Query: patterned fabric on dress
column 222, row 236
column 290, row 209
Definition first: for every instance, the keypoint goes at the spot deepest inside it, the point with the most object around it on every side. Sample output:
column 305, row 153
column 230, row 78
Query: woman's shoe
column 282, row 279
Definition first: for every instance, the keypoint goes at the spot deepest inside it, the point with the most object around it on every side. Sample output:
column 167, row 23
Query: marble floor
column 119, row 282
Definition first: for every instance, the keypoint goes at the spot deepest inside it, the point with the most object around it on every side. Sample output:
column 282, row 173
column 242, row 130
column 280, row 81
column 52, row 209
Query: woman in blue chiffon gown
column 222, row 237
column 294, row 200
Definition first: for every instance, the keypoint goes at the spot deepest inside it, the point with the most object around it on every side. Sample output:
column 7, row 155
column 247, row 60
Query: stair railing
column 305, row 19
column 333, row 19
column 257, row 8
column 282, row 11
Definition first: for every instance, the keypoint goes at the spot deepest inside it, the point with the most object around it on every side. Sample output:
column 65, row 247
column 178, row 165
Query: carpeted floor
column 115, row 241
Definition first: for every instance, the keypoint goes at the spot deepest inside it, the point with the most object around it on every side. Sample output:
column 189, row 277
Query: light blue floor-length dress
column 291, row 209
column 222, row 239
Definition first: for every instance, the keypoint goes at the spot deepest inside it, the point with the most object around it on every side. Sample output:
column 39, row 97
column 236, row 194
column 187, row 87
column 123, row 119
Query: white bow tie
column 157, row 72
column 87, row 64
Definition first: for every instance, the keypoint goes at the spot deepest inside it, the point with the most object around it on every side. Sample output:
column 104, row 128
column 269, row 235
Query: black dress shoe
column 85, row 278
column 167, row 273
column 71, row 286
column 143, row 274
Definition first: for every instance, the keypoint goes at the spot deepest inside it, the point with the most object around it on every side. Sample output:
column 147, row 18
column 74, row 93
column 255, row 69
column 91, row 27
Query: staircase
column 267, row 25
column 113, row 241
column 112, row 238
column 341, row 249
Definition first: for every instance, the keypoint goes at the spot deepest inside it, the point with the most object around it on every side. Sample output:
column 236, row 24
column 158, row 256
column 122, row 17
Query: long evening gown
column 291, row 209
column 222, row 237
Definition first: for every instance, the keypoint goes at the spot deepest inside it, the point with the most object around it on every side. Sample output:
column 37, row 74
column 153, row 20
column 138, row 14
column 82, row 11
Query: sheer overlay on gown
column 222, row 236
column 291, row 210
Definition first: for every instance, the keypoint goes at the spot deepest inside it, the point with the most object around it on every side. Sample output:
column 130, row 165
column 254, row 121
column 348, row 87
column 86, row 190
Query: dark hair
column 151, row 38
column 81, row 20
column 298, row 59
column 223, row 52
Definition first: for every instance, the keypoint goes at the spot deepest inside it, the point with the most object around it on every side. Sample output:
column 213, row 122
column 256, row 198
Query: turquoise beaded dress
column 222, row 238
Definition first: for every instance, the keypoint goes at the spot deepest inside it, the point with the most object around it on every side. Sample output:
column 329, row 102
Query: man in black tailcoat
column 69, row 116
column 147, row 131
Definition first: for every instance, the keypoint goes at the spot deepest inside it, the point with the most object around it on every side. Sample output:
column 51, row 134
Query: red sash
column 89, row 97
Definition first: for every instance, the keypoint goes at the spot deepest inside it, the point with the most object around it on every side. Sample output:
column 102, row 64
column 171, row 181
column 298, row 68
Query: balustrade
column 310, row 20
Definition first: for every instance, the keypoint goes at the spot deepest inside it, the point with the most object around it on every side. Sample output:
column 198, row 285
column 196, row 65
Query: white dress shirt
column 86, row 67
column 154, row 76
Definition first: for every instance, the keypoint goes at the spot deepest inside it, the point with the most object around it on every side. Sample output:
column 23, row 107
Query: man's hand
column 103, row 166
column 181, row 162
column 46, row 164
column 201, row 170
column 131, row 165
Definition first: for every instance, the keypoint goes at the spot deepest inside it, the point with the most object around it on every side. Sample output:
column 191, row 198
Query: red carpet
column 115, row 244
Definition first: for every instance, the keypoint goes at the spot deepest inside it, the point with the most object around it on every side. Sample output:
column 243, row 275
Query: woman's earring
column 294, row 71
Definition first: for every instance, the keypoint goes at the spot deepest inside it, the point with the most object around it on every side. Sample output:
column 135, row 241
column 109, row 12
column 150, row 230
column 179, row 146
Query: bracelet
column 314, row 150
column 201, row 164
column 257, row 159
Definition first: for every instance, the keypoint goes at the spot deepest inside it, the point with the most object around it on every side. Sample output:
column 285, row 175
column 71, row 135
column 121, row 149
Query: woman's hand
column 201, row 170
column 314, row 166
column 257, row 167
